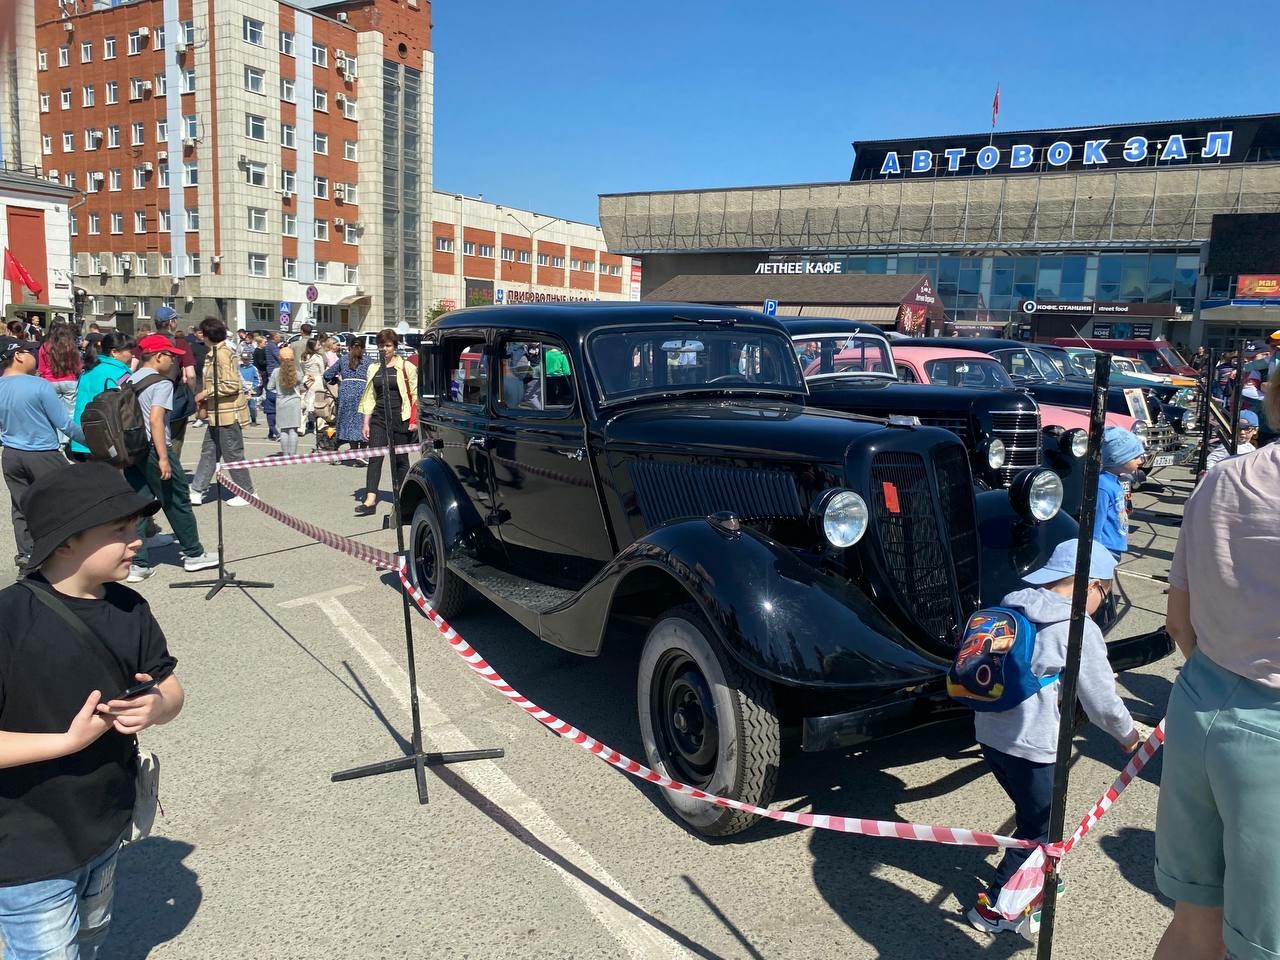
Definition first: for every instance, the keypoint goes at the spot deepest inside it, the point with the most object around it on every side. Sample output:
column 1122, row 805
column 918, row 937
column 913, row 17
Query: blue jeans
column 65, row 918
column 1030, row 787
column 269, row 408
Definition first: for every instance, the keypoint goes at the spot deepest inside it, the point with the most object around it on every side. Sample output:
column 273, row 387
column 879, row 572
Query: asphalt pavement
column 549, row 852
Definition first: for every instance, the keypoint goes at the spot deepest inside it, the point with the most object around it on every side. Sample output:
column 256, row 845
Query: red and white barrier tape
column 1016, row 895
column 329, row 457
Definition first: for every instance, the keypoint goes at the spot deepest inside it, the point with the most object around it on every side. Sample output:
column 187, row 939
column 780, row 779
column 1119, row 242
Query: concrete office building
column 236, row 158
column 1038, row 233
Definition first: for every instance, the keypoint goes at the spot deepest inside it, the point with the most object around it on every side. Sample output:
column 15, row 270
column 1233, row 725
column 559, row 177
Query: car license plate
column 1162, row 461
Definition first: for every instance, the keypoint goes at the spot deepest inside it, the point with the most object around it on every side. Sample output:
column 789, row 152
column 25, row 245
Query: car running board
column 504, row 588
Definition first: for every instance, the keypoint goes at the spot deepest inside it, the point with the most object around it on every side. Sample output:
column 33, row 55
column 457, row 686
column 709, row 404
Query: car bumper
column 873, row 722
column 1133, row 652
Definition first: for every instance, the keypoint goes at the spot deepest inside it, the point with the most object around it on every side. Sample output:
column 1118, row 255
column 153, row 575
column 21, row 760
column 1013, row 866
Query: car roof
column 818, row 326
column 937, row 353
column 1126, row 344
column 982, row 344
column 570, row 321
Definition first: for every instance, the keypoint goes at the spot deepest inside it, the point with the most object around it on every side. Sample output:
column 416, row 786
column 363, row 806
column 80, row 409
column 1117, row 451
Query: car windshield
column 637, row 362
column 1161, row 357
column 968, row 372
column 842, row 353
column 1060, row 359
column 1028, row 364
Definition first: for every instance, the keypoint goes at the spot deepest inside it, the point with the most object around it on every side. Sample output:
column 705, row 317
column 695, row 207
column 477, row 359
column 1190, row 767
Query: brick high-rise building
column 234, row 156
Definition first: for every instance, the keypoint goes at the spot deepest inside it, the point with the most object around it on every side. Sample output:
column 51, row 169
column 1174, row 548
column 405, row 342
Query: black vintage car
column 800, row 575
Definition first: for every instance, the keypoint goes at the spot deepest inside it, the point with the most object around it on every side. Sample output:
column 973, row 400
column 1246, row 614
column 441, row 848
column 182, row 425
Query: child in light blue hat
column 1122, row 454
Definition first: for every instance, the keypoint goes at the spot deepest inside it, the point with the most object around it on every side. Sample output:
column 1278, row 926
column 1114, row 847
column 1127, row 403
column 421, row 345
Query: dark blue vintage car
column 801, row 576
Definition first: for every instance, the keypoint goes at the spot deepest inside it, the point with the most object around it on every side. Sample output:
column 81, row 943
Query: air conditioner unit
column 144, row 31
column 147, row 167
column 96, row 136
column 126, row 261
column 66, row 25
column 145, row 86
column 339, row 192
column 287, row 194
column 340, row 99
column 339, row 222
column 215, row 260
column 53, row 174
column 342, row 17
column 188, row 141
column 180, row 47
column 340, row 55
column 162, row 154
column 244, row 160
column 97, row 175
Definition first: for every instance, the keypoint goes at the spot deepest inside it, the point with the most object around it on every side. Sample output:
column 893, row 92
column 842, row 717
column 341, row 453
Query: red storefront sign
column 1258, row 285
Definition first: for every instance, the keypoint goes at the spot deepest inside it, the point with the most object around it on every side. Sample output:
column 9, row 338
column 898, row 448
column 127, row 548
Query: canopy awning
column 356, row 300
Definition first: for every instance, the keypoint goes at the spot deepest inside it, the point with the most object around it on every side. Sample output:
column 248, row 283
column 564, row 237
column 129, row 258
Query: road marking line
column 639, row 939
column 1143, row 576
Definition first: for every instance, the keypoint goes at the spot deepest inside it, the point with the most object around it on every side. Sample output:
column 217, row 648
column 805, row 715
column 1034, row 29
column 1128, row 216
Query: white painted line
column 639, row 939
column 1143, row 576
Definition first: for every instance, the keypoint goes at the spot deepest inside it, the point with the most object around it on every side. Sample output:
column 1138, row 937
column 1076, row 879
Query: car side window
column 906, row 375
column 467, row 367
column 536, row 376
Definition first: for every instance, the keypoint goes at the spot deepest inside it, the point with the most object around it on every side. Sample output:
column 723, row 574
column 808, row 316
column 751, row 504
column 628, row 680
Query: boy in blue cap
column 1021, row 744
column 1122, row 454
column 1246, row 433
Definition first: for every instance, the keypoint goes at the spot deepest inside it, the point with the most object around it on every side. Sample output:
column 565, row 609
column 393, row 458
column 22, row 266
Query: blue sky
column 546, row 104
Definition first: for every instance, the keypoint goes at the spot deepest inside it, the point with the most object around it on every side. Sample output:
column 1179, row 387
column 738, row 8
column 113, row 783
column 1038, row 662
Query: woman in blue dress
column 351, row 373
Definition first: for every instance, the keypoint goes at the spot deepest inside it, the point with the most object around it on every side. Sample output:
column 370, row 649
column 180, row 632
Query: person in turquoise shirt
column 107, row 364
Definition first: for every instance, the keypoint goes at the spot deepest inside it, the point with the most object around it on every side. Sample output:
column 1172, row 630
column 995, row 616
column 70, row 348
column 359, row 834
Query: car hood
column 883, row 397
column 769, row 431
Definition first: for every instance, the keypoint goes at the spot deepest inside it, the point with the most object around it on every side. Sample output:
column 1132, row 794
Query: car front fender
column 432, row 481
column 1012, row 547
column 780, row 616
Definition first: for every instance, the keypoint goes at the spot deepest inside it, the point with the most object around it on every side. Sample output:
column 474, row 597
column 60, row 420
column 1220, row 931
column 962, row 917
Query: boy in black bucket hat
column 68, row 745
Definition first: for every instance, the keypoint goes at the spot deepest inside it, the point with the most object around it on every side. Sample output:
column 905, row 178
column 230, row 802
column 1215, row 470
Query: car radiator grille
column 1019, row 431
column 957, row 425
column 673, row 491
column 928, row 537
column 1161, row 438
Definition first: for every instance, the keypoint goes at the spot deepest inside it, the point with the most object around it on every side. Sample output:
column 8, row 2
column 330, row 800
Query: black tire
column 684, row 671
column 447, row 594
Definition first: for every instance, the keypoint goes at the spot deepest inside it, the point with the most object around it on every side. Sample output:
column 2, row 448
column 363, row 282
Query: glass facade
column 991, row 287
column 402, row 195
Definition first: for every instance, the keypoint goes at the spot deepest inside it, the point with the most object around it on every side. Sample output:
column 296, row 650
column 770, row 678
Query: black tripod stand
column 416, row 758
column 225, row 577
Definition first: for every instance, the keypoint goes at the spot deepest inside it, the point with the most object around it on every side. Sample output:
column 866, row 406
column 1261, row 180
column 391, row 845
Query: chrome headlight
column 996, row 455
column 1076, row 442
column 1188, row 419
column 1036, row 494
column 844, row 517
column 1140, row 430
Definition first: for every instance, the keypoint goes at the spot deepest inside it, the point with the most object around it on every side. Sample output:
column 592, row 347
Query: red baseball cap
column 157, row 343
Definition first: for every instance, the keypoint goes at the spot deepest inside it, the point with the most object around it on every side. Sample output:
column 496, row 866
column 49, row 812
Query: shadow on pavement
column 156, row 897
column 1133, row 851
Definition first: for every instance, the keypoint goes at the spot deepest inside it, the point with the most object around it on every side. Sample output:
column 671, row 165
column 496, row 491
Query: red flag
column 995, row 106
column 17, row 273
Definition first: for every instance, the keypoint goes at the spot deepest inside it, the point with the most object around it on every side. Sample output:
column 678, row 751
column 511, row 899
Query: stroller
column 325, row 412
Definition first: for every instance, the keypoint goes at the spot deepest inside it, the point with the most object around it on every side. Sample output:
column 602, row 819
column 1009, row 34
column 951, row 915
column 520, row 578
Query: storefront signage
column 1258, row 285
column 924, row 293
column 532, row 296
column 1091, row 308
column 637, row 276
column 1090, row 153
column 1123, row 331
column 800, row 266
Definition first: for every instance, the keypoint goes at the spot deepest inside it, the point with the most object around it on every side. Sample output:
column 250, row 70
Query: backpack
column 991, row 671
column 114, row 430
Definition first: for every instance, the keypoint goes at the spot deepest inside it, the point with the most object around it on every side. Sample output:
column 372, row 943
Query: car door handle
column 475, row 442
column 574, row 454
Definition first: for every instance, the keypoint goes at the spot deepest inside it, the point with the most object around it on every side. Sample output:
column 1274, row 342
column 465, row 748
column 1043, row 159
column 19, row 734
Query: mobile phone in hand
column 137, row 689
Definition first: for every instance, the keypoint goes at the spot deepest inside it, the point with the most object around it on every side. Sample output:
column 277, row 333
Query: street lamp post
column 532, row 232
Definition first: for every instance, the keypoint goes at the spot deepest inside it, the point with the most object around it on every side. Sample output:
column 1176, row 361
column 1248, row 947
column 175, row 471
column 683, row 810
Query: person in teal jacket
column 107, row 364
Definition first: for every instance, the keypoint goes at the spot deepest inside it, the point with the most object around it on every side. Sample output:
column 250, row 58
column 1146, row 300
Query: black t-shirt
column 58, row 815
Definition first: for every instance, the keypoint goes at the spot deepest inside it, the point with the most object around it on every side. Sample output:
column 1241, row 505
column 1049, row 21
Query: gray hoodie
column 1030, row 730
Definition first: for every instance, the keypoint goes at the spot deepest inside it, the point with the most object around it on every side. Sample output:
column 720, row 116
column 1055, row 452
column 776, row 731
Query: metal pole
column 1237, row 398
column 1075, row 641
column 1206, row 423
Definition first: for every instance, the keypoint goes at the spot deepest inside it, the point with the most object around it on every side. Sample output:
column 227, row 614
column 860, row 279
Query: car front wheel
column 428, row 568
column 706, row 723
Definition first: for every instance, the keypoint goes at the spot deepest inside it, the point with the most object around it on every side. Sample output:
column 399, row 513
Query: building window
column 444, row 245
column 257, row 264
column 319, row 54
column 135, row 88
column 44, row 103
column 192, row 220
column 508, row 253
column 255, row 174
column 68, row 142
column 193, row 264
column 190, row 175
column 322, row 144
column 157, row 38
column 289, row 268
column 42, row 60
column 189, row 80
column 321, row 100
column 468, row 248
column 575, row 264
column 144, row 304
column 86, row 51
column 161, row 85
column 162, row 171
column 140, row 268
column 139, row 221
column 350, row 193
column 255, row 128
column 289, row 181
column 321, row 232
column 139, row 178
column 253, row 31
column 524, row 256
column 254, row 79
column 117, row 222
column 191, row 125
column 113, row 135
column 115, row 180
column 322, row 188
column 138, row 133
column 87, row 96
column 113, row 91
column 95, row 224
column 486, row 250
column 65, row 97
column 91, row 139
column 351, row 273
column 287, row 91
column 588, row 266
column 69, row 179
column 288, row 135
column 46, row 144
column 290, row 225
column 189, row 32
column 286, row 42
column 162, row 131
column 258, row 219
column 64, row 55
column 348, row 150
column 350, row 233
column 166, row 220
column 322, row 271
column 74, row 223
column 166, row 270
column 543, row 260
column 557, row 262
column 136, row 42
column 349, row 107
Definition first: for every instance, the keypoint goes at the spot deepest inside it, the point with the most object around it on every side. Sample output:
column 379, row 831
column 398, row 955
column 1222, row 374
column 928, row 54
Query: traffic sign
column 284, row 321
column 286, row 306
column 312, row 293
column 771, row 308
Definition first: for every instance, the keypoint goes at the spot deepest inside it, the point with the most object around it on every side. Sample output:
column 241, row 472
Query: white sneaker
column 197, row 498
column 137, row 574
column 237, row 502
column 161, row 540
column 202, row 562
